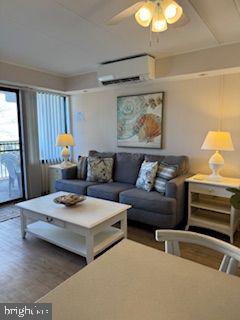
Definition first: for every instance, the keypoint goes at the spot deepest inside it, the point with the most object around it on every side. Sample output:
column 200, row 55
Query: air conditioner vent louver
column 127, row 70
column 132, row 79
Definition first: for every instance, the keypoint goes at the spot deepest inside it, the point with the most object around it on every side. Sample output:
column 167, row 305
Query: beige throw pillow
column 99, row 169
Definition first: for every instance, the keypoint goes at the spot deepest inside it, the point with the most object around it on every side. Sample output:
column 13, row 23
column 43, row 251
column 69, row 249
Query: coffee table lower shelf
column 72, row 241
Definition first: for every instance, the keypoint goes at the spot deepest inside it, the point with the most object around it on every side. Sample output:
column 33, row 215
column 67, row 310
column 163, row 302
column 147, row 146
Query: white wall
column 192, row 108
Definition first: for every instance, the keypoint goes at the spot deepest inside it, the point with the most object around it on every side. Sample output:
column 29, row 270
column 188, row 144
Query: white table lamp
column 218, row 141
column 65, row 140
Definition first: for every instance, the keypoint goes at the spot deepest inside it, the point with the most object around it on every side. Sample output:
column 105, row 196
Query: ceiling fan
column 156, row 14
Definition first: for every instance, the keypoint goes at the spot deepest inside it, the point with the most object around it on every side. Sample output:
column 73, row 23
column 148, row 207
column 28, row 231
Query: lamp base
column 66, row 164
column 216, row 162
column 213, row 177
column 65, row 154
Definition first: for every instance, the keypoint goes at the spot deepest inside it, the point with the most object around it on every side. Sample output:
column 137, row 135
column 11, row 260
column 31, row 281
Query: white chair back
column 172, row 238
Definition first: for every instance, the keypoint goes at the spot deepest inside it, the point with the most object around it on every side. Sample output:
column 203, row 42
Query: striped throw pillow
column 160, row 185
column 82, row 168
column 165, row 173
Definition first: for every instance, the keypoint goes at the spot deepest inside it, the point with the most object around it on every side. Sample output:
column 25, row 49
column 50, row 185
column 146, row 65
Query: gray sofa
column 152, row 208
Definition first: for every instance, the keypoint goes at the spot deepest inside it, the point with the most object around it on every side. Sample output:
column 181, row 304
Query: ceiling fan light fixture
column 159, row 24
column 171, row 10
column 145, row 14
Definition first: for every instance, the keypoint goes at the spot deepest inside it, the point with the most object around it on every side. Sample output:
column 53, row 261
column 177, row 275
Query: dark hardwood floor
column 30, row 268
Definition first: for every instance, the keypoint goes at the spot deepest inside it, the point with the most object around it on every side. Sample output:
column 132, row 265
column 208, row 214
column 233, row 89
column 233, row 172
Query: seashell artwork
column 139, row 120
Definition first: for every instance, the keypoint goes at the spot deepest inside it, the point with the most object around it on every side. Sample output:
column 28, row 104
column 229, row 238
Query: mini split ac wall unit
column 130, row 69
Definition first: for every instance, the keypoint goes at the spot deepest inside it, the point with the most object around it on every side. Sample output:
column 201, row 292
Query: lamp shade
column 218, row 140
column 171, row 10
column 65, row 139
column 159, row 23
column 144, row 15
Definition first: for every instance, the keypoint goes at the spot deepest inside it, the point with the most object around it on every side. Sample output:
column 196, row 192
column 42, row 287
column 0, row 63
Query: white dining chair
column 172, row 238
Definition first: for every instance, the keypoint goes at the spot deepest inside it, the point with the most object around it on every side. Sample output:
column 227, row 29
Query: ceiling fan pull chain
column 158, row 9
column 150, row 37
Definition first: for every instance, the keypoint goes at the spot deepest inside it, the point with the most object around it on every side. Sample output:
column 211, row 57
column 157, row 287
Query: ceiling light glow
column 159, row 25
column 158, row 13
column 144, row 14
column 159, row 22
column 170, row 11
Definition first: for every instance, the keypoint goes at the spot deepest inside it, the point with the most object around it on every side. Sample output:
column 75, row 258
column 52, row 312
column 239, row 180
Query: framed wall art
column 139, row 120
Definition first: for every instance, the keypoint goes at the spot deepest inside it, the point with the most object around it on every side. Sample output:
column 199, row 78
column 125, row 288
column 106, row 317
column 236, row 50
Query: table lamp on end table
column 218, row 141
column 65, row 140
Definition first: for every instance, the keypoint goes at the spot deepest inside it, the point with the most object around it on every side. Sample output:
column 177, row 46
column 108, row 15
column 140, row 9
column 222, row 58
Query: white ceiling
column 71, row 36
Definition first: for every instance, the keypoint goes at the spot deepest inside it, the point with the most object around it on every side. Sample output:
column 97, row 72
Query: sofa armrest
column 69, row 173
column 176, row 188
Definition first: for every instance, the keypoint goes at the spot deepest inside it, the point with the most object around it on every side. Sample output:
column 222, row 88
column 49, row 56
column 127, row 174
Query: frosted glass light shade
column 144, row 15
column 172, row 11
column 218, row 140
column 159, row 23
column 65, row 139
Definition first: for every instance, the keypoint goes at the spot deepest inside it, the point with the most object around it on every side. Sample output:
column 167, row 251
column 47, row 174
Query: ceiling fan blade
column 181, row 22
column 125, row 13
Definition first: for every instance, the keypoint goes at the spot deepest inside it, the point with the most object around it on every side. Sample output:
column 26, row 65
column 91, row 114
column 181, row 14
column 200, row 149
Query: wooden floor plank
column 30, row 268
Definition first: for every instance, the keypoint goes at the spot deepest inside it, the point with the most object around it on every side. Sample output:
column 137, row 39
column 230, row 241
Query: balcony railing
column 7, row 147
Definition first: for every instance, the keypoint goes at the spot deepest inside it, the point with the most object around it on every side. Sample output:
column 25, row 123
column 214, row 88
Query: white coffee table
column 85, row 229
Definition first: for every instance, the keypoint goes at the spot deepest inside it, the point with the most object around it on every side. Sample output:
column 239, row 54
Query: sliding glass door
column 11, row 177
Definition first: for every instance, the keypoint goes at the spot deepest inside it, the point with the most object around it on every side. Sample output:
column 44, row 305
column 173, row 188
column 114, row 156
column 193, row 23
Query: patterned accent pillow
column 99, row 169
column 82, row 168
column 165, row 173
column 147, row 175
column 160, row 185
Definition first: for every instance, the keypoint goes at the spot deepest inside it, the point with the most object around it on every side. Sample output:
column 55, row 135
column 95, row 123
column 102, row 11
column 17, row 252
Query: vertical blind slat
column 52, row 119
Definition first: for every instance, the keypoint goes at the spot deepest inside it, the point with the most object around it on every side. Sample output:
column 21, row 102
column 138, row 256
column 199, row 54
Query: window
column 53, row 118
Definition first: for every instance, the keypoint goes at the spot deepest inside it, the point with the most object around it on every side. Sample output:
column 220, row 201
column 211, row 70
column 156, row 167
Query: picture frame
column 140, row 120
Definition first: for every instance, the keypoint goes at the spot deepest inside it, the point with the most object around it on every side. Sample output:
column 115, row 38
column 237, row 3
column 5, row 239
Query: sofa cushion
column 82, row 168
column 150, row 201
column 153, row 158
column 99, row 169
column 94, row 153
column 165, row 173
column 127, row 166
column 73, row 185
column 108, row 191
column 160, row 185
column 181, row 161
column 146, row 176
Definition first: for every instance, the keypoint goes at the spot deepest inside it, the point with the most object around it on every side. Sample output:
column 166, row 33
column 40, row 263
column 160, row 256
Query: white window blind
column 53, row 118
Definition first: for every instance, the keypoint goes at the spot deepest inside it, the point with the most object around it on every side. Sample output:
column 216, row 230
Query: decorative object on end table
column 69, row 199
column 235, row 198
column 139, row 120
column 217, row 141
column 65, row 140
